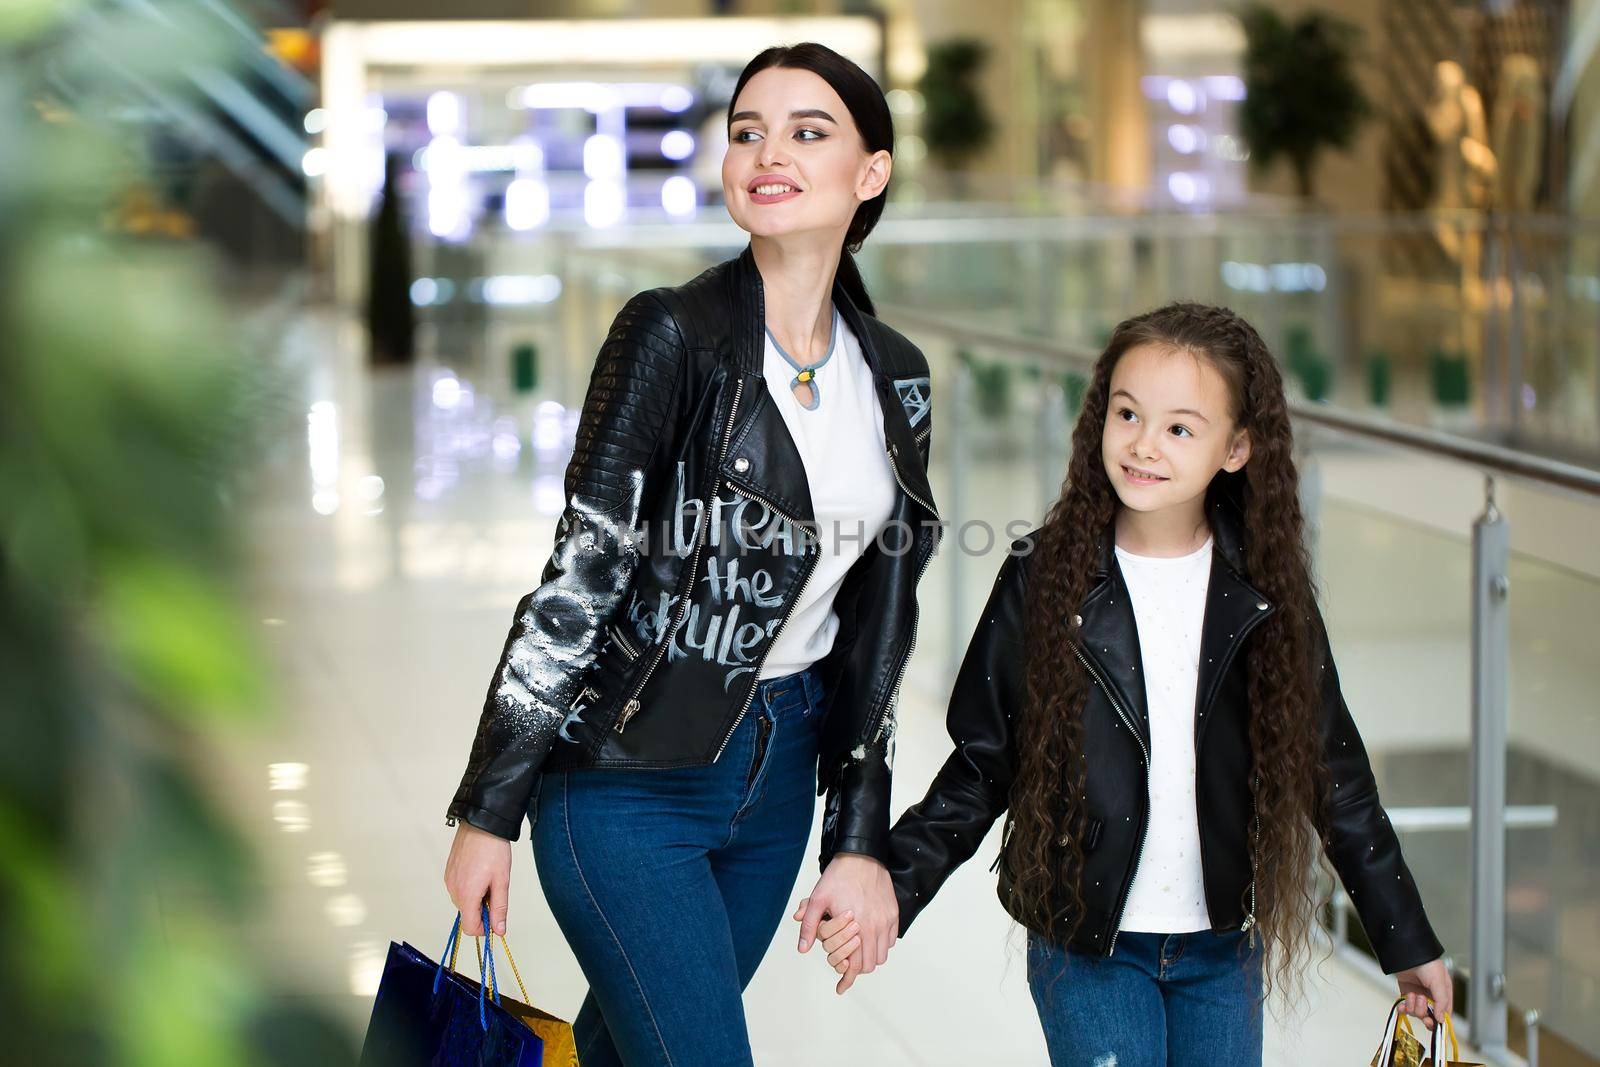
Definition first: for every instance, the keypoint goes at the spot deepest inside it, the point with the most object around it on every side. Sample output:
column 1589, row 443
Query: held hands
column 1425, row 984
column 858, row 896
column 479, row 867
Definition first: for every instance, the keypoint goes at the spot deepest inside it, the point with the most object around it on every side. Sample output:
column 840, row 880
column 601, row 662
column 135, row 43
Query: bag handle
column 1448, row 1027
column 486, row 978
column 1390, row 1029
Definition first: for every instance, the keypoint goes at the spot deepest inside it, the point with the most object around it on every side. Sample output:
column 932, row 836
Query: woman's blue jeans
column 669, row 884
column 1160, row 999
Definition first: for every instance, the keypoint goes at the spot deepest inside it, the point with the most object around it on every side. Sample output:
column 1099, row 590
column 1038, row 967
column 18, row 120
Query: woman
column 730, row 603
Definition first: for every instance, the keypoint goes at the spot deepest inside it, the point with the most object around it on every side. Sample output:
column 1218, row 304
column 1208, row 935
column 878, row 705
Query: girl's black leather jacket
column 970, row 792
column 687, row 536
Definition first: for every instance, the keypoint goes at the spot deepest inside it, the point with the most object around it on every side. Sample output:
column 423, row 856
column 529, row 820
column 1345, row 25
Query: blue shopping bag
column 427, row 1015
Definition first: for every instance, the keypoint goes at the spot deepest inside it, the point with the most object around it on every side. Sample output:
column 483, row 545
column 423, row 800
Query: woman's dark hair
column 1290, row 784
column 865, row 101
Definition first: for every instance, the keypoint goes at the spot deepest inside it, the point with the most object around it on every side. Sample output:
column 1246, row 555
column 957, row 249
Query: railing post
column 1491, row 633
column 1052, row 402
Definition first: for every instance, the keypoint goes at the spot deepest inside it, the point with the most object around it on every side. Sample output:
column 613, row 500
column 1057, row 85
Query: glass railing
column 1392, row 509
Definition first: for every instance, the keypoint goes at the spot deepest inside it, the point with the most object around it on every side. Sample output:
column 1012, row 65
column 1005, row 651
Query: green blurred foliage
column 1302, row 95
column 956, row 123
column 122, row 639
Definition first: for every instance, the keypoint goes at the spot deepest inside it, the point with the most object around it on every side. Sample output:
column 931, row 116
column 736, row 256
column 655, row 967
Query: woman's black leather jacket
column 687, row 536
column 971, row 791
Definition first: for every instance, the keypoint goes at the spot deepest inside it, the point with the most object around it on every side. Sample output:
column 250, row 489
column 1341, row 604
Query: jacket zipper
column 631, row 708
column 1144, row 826
column 879, row 716
column 787, row 611
column 1249, row 925
column 623, row 643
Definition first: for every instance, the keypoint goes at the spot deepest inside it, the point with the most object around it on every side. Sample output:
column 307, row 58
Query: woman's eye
column 745, row 135
column 809, row 135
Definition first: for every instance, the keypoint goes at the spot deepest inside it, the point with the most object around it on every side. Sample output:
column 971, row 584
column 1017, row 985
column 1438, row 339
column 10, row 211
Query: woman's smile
column 771, row 189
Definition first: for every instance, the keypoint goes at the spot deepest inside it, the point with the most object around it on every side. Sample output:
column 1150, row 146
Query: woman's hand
column 479, row 867
column 860, row 886
column 1420, row 985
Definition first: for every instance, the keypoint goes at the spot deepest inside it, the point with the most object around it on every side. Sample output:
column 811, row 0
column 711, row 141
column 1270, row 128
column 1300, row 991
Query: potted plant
column 956, row 124
column 1301, row 91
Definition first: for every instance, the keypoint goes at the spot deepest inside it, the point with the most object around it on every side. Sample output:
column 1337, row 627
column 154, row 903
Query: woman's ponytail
column 855, row 287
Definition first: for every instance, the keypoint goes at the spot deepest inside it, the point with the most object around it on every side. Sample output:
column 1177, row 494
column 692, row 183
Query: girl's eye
column 745, row 135
column 1181, row 431
column 809, row 135
column 1126, row 415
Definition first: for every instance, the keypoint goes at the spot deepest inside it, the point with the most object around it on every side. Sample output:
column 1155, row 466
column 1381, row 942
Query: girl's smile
column 771, row 189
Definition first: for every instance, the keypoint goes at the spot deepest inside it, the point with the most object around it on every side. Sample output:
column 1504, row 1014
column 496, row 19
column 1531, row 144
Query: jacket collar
column 747, row 298
column 1109, row 634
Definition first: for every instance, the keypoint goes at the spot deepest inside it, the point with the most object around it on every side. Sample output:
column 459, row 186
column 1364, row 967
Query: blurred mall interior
column 303, row 299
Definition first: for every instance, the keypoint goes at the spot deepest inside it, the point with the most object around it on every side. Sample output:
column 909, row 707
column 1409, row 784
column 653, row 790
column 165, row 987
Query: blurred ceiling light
column 1164, row 36
column 315, row 162
column 677, row 144
column 1187, row 188
column 603, row 157
column 287, row 777
column 1224, row 86
column 603, row 203
column 676, row 98
column 1183, row 97
column 679, row 195
column 292, row 816
column 1185, row 138
column 527, row 203
column 326, row 870
column 346, row 909
column 325, row 501
column 371, row 487
column 521, row 288
column 446, row 391
column 424, row 291
column 444, row 114
column 549, row 426
column 316, row 121
column 905, row 102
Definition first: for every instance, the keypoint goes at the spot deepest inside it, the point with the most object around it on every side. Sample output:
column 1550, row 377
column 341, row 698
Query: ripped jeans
column 1160, row 1000
column 670, row 883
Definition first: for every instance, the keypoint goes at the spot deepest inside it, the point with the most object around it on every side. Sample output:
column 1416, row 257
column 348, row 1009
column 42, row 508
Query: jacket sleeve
column 1362, row 845
column 856, row 813
column 941, row 831
column 557, row 627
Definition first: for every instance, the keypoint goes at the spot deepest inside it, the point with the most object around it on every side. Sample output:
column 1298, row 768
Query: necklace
column 804, row 385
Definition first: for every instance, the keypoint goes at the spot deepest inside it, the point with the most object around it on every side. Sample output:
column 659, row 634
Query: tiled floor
column 383, row 606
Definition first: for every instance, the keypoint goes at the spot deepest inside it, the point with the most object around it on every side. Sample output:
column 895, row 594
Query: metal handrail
column 1490, row 458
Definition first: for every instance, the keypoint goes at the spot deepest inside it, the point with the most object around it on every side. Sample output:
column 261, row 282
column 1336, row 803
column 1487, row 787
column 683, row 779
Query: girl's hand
column 479, row 867
column 1427, row 984
column 840, row 938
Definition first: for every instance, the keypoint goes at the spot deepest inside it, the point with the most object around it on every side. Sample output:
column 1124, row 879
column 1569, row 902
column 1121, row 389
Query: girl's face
column 795, row 161
column 1169, row 428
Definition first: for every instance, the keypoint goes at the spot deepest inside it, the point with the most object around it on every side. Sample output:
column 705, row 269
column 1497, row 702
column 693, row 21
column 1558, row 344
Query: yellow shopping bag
column 560, row 1047
column 1402, row 1048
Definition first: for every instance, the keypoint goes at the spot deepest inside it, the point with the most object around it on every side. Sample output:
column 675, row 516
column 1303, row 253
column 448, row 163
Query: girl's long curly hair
column 1045, row 853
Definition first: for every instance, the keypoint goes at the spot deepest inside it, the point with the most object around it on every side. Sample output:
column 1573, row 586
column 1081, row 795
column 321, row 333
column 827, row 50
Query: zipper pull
column 628, row 711
column 1249, row 927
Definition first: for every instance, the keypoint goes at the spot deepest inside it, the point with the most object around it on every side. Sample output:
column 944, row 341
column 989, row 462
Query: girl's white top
column 1169, row 603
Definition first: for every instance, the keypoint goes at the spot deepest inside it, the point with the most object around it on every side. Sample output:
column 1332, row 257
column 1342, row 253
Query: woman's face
column 796, row 164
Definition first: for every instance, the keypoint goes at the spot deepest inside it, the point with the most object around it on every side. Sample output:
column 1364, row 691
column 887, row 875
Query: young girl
column 1151, row 701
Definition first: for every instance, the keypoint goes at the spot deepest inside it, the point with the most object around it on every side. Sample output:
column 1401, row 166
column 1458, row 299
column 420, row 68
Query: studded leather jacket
column 687, row 537
column 970, row 792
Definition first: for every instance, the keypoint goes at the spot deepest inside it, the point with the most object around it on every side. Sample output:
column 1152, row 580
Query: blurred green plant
column 1450, row 378
column 955, row 123
column 124, row 420
column 1379, row 377
column 1309, row 366
column 991, row 385
column 1302, row 95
